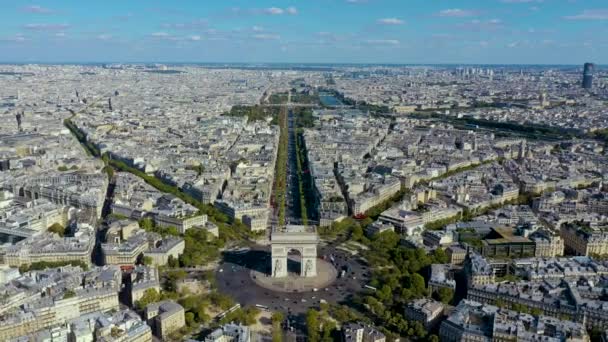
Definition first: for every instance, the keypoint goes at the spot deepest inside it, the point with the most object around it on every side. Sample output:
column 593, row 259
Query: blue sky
column 325, row 31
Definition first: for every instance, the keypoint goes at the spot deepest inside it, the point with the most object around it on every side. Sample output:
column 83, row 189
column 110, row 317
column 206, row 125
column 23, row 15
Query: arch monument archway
column 303, row 239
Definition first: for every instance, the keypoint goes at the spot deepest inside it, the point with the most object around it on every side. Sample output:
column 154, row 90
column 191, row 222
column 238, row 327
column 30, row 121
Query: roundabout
column 326, row 274
column 246, row 277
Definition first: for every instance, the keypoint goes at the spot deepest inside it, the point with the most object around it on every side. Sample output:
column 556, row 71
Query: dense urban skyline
column 334, row 31
column 304, row 170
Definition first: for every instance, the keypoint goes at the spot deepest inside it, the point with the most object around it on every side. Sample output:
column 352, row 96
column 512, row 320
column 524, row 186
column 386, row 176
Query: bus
column 232, row 309
column 370, row 288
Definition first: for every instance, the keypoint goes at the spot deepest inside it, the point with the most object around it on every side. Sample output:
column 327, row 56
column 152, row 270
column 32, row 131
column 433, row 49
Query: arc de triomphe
column 303, row 239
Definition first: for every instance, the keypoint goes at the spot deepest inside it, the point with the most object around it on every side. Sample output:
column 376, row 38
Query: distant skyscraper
column 588, row 75
column 19, row 116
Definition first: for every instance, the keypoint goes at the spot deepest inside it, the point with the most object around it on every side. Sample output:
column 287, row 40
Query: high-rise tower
column 588, row 75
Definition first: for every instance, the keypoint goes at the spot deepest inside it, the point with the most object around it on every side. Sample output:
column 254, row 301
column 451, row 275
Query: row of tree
column 280, row 174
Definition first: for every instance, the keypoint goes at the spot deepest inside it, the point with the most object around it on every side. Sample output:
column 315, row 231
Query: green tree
column 69, row 294
column 418, row 285
column 433, row 338
column 172, row 277
column 385, row 294
column 439, row 256
column 201, row 314
column 146, row 224
column 312, row 324
column 328, row 330
column 536, row 312
column 190, row 321
column 357, row 233
column 150, row 296
column 277, row 330
column 147, row 260
column 500, row 303
column 444, row 295
column 173, row 262
column 57, row 229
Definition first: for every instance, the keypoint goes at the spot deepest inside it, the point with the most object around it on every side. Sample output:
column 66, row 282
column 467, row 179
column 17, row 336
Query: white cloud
column 160, row 34
column 257, row 29
column 456, row 12
column 173, row 38
column 263, row 36
column 280, row 11
column 390, row 21
column 520, row 1
column 481, row 26
column 104, row 36
column 274, row 11
column 46, row 27
column 389, row 42
column 18, row 38
column 193, row 25
column 596, row 14
column 37, row 9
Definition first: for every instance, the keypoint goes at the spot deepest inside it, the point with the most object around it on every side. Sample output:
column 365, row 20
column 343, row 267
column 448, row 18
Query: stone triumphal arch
column 303, row 239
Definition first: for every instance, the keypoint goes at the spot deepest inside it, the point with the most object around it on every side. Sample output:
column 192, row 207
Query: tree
column 418, row 285
column 277, row 318
column 277, row 331
column 312, row 323
column 357, row 233
column 419, row 330
column 444, row 295
column 69, row 294
column 150, row 296
column 433, row 338
column 385, row 294
column 173, row 262
column 328, row 329
column 500, row 303
column 147, row 260
column 57, row 229
column 536, row 312
column 190, row 319
column 201, row 314
column 173, row 277
column 440, row 257
column 146, row 224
